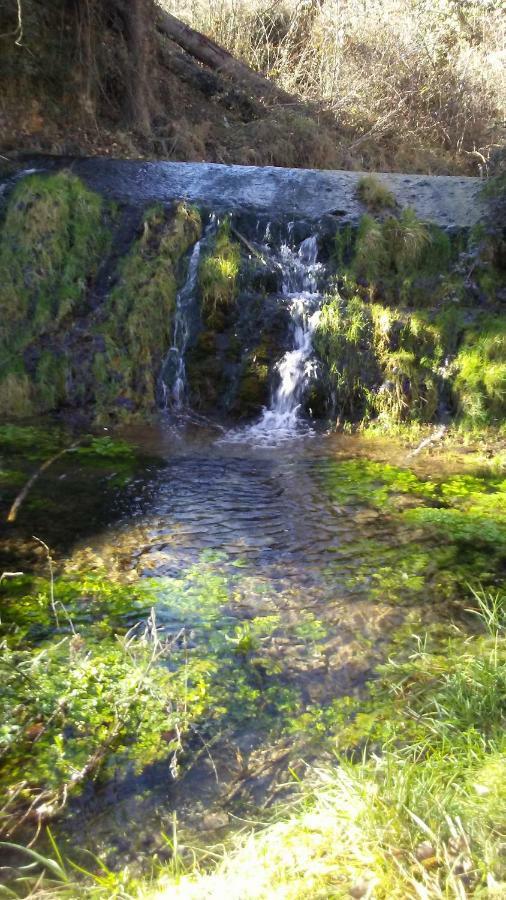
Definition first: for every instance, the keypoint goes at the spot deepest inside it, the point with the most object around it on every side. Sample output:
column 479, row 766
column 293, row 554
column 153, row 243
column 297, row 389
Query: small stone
column 218, row 819
column 425, row 851
column 360, row 889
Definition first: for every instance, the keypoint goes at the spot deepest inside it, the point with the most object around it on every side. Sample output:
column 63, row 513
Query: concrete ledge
column 308, row 194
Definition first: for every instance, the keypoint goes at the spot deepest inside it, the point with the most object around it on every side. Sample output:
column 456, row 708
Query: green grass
column 374, row 194
column 414, row 806
column 424, row 817
column 218, row 273
column 480, row 385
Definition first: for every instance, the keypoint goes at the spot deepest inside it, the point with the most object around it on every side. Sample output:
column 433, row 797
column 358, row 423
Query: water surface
column 292, row 569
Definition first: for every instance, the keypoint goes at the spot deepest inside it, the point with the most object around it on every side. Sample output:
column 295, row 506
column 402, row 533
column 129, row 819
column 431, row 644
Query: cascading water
column 172, row 379
column 282, row 420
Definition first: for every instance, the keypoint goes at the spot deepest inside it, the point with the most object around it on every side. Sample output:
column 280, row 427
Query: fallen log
column 211, row 54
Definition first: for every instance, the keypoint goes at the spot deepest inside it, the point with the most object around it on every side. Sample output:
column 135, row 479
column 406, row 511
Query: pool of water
column 283, row 575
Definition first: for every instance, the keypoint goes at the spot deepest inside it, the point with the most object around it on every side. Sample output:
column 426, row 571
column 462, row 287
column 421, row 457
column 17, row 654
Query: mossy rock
column 344, row 341
column 253, row 388
column 52, row 240
column 137, row 322
column 51, row 243
column 205, row 372
column 397, row 259
column 379, row 360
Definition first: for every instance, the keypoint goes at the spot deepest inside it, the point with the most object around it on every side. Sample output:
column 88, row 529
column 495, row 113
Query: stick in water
column 21, row 497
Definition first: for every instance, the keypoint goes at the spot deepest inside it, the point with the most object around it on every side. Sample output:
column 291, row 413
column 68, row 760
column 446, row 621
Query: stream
column 290, row 572
column 256, row 568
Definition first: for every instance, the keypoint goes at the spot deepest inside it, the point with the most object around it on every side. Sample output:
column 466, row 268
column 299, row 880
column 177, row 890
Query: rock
column 213, row 820
column 361, row 888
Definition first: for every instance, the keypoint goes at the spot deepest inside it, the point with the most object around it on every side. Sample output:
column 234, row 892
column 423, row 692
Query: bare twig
column 18, row 32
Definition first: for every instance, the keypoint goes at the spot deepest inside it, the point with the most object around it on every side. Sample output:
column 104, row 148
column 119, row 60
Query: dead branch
column 429, row 441
column 21, row 497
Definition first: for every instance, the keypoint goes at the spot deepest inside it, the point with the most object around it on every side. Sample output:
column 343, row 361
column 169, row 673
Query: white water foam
column 283, row 421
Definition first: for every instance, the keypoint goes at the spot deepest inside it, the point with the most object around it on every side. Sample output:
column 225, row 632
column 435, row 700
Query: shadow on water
column 291, row 573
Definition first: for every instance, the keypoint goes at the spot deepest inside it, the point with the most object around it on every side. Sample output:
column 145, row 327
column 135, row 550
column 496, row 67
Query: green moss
column 462, row 527
column 380, row 361
column 15, row 395
column 205, row 372
column 374, row 194
column 344, row 245
column 480, row 384
column 51, row 380
column 52, row 240
column 253, row 390
column 398, row 259
column 30, row 441
column 450, row 532
column 218, row 274
column 377, row 484
column 138, row 318
column 344, row 341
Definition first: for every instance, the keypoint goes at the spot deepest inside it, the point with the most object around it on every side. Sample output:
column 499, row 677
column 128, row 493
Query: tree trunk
column 211, row 54
column 138, row 21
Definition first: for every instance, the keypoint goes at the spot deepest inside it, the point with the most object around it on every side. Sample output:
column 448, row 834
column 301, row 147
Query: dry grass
column 414, row 84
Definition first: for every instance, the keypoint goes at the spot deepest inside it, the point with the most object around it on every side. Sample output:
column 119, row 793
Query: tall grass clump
column 414, row 85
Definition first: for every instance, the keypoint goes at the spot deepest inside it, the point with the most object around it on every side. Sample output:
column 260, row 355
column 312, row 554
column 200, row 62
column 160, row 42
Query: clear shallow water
column 299, row 548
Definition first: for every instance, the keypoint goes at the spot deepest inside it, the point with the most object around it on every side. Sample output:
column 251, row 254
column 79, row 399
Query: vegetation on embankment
column 52, row 241
column 413, row 86
column 137, row 321
column 67, row 339
column 402, row 86
column 413, row 330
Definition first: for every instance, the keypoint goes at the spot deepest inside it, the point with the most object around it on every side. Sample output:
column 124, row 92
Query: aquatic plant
column 74, row 702
column 423, row 816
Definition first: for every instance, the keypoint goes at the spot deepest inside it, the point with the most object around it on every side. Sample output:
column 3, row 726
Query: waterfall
column 172, row 379
column 282, row 420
